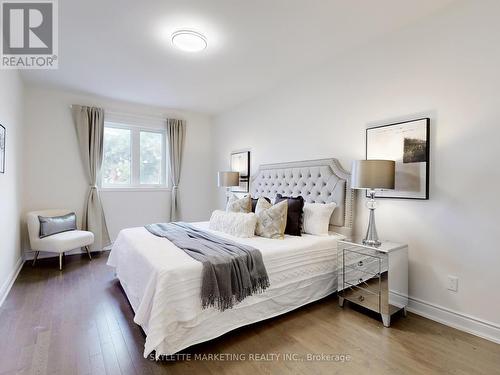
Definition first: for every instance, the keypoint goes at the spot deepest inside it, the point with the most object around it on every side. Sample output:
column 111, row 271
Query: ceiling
column 121, row 48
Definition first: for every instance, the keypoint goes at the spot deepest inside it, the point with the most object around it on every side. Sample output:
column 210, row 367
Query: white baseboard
column 463, row 322
column 7, row 285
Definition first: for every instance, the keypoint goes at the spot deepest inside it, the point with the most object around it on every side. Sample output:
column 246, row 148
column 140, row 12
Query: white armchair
column 57, row 243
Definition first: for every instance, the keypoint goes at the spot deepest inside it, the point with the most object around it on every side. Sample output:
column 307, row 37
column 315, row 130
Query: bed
column 163, row 283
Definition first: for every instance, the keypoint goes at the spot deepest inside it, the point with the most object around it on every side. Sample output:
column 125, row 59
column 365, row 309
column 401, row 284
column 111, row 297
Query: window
column 133, row 156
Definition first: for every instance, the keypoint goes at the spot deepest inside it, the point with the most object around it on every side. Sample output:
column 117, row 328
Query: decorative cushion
column 235, row 204
column 56, row 224
column 317, row 217
column 254, row 202
column 271, row 220
column 236, row 224
column 294, row 215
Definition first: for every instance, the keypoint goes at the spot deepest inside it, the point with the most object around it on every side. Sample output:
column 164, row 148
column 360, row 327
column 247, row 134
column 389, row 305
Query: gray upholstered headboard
column 317, row 181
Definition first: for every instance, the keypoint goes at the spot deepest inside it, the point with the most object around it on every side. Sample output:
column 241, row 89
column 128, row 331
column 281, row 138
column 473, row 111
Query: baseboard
column 475, row 326
column 7, row 285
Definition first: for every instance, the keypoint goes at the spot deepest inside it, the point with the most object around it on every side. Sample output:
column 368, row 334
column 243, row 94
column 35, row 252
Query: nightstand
column 374, row 277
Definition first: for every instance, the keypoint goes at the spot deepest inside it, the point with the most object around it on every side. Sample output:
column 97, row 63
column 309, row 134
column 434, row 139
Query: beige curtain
column 176, row 130
column 89, row 123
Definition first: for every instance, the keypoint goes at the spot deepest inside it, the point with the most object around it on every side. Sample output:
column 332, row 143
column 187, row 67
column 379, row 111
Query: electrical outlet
column 453, row 283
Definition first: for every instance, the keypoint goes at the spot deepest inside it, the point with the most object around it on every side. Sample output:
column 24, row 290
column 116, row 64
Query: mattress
column 163, row 285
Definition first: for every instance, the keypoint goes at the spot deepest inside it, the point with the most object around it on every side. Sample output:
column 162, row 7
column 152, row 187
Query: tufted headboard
column 317, row 181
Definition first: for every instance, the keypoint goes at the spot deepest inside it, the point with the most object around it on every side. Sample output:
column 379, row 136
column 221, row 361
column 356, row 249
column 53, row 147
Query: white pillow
column 236, row 224
column 316, row 219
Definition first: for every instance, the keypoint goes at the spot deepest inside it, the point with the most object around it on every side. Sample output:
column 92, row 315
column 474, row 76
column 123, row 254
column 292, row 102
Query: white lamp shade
column 373, row 174
column 227, row 179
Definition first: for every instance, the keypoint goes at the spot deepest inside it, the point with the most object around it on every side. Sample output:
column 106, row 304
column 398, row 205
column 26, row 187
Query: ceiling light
column 189, row 40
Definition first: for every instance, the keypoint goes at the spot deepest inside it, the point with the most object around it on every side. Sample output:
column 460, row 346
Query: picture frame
column 240, row 162
column 2, row 148
column 408, row 143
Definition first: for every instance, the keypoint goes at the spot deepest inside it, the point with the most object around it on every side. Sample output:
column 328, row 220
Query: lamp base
column 371, row 238
column 368, row 242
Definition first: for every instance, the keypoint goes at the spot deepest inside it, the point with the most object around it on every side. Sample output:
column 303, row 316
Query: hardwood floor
column 78, row 321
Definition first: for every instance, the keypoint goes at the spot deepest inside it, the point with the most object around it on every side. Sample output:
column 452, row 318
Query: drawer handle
column 360, row 263
column 361, row 298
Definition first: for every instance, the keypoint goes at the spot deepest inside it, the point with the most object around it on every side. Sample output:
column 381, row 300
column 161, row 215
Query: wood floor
column 78, row 321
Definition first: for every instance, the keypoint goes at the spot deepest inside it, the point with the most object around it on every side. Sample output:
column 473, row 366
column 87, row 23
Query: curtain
column 89, row 124
column 176, row 130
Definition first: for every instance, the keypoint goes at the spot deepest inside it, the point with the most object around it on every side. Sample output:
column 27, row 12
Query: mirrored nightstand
column 374, row 277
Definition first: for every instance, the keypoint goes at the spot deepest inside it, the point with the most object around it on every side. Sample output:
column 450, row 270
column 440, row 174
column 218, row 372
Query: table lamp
column 228, row 179
column 372, row 175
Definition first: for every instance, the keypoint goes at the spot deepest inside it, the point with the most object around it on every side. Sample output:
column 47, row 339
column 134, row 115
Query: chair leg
column 60, row 261
column 88, row 252
column 35, row 258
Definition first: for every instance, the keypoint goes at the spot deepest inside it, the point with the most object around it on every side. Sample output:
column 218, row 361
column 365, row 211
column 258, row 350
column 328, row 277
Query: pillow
column 235, row 204
column 56, row 224
column 254, row 202
column 271, row 220
column 236, row 224
column 294, row 215
column 317, row 217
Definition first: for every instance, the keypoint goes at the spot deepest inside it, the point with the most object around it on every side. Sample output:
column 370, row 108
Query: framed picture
column 408, row 144
column 240, row 162
column 2, row 149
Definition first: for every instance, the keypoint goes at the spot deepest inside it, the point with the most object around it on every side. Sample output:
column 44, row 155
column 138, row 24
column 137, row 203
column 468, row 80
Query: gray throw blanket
column 231, row 271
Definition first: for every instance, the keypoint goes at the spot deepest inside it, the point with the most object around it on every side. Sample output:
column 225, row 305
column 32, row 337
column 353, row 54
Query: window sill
column 133, row 189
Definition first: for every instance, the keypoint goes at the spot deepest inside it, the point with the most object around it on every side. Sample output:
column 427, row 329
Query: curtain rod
column 153, row 117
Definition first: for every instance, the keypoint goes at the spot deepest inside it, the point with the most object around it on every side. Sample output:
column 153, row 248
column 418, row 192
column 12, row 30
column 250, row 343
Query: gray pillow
column 56, row 224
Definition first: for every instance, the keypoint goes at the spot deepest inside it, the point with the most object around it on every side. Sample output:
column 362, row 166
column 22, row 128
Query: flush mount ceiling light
column 189, row 40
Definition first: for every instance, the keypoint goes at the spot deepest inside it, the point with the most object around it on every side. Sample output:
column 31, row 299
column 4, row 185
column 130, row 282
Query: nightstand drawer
column 362, row 279
column 362, row 297
column 355, row 253
column 369, row 261
column 367, row 265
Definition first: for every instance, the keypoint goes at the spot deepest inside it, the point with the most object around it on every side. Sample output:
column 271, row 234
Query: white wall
column 11, row 110
column 447, row 68
column 54, row 175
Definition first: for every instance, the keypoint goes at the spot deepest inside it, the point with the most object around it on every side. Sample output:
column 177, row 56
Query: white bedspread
column 163, row 285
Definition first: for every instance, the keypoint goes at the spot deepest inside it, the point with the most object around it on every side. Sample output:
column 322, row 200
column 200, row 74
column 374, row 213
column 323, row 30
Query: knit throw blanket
column 231, row 271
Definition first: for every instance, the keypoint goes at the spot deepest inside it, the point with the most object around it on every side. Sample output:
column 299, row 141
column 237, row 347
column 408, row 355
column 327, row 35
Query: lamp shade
column 227, row 179
column 373, row 174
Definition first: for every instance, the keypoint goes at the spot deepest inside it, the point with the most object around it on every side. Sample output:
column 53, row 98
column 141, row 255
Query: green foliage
column 150, row 149
column 117, row 156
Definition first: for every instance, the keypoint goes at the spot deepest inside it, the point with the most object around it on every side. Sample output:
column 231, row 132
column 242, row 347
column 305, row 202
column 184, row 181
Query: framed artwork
column 408, row 144
column 2, row 149
column 240, row 162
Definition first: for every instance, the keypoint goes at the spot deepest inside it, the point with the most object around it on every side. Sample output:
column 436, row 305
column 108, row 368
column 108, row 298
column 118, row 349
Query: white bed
column 163, row 283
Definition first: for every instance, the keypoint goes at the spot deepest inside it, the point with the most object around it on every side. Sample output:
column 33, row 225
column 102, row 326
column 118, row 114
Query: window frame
column 135, row 158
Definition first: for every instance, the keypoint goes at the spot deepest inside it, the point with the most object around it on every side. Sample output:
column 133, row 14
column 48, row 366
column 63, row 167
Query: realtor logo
column 29, row 34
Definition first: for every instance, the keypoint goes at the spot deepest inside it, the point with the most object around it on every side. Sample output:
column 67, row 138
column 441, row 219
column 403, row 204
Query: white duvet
column 163, row 285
